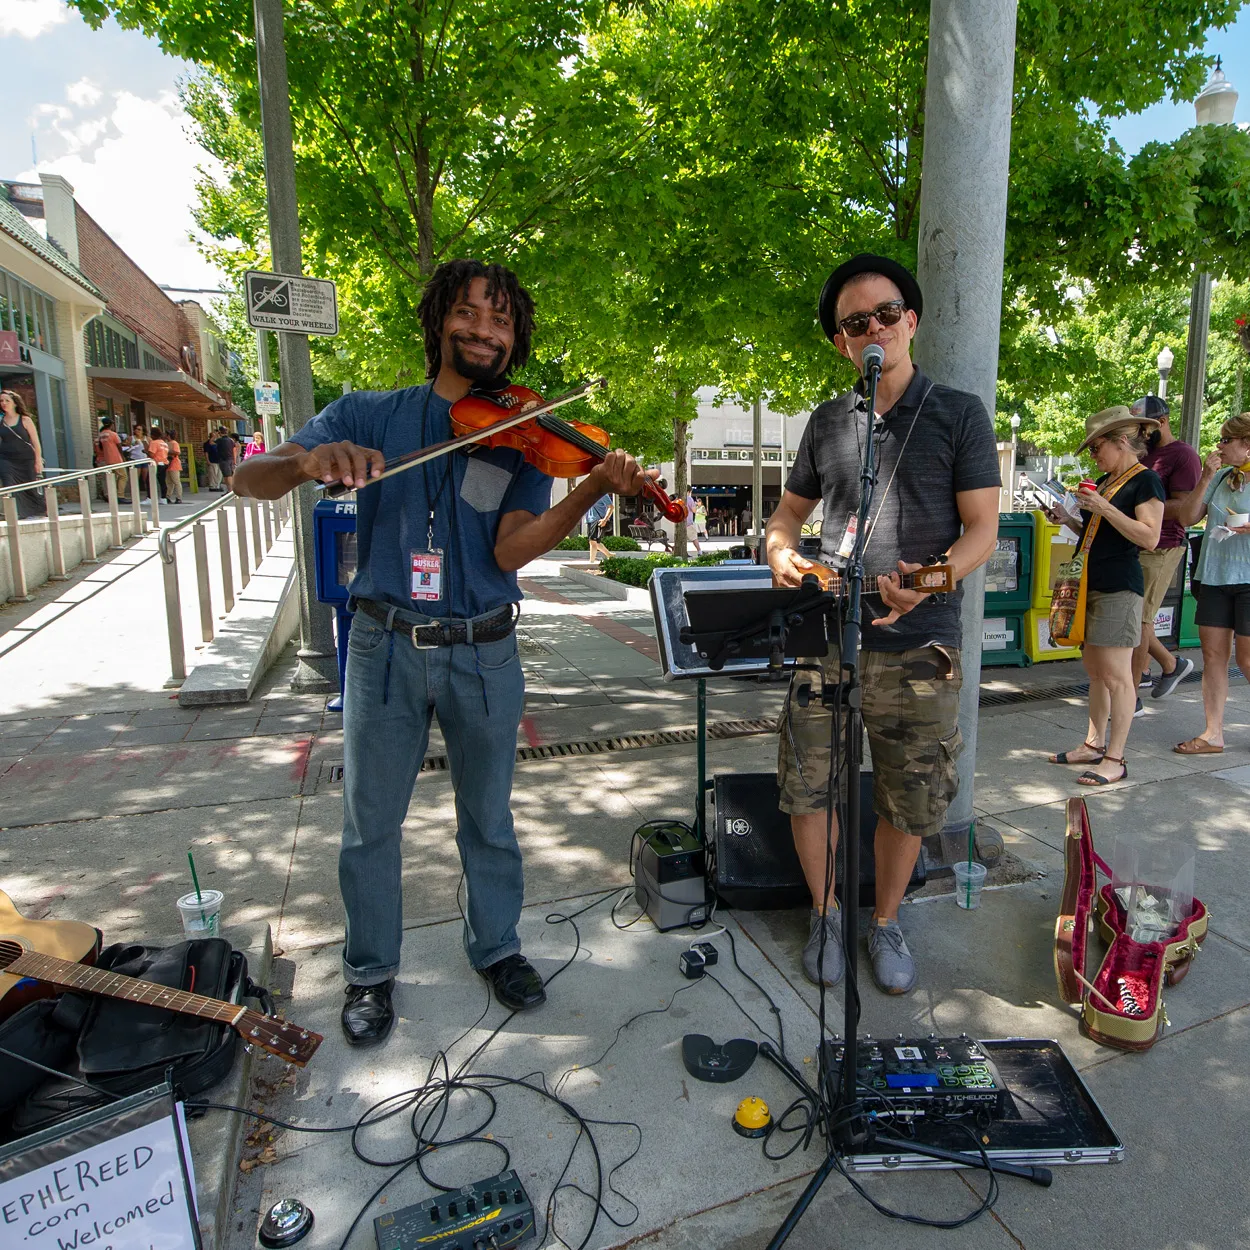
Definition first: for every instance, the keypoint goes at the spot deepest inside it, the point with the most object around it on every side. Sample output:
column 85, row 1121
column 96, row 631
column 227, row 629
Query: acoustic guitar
column 49, row 952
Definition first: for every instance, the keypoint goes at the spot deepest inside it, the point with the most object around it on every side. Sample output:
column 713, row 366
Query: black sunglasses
column 1228, row 439
column 888, row 314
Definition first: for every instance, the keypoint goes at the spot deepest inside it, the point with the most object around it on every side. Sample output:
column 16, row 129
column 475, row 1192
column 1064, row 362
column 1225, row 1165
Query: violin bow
column 410, row 460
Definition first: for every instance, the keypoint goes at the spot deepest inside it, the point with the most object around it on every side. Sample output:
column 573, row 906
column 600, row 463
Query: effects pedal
column 908, row 1078
column 494, row 1214
column 668, row 875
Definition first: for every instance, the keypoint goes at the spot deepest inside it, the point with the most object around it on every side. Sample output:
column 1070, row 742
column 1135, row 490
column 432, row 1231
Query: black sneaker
column 1139, row 710
column 1165, row 683
column 1146, row 681
column 515, row 983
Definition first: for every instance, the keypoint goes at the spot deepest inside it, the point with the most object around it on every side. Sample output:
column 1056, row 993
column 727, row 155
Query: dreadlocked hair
column 448, row 285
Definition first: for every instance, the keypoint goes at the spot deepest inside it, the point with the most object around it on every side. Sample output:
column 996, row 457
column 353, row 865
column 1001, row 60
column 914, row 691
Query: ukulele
column 49, row 951
column 937, row 579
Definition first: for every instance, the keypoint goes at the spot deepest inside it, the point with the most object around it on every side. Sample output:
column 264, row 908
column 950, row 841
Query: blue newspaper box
column 334, row 539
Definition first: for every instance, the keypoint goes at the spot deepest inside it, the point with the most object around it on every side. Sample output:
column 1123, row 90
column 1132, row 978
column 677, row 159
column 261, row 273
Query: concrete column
column 1196, row 360
column 80, row 423
column 963, row 222
column 318, row 660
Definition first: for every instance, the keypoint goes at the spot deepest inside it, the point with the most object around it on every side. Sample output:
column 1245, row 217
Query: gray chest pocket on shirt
column 484, row 485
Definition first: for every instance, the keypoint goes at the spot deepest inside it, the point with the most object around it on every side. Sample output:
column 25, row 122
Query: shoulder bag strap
column 1108, row 492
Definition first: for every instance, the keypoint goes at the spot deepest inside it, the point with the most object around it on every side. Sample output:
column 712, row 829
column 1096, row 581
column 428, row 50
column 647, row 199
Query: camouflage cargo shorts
column 911, row 713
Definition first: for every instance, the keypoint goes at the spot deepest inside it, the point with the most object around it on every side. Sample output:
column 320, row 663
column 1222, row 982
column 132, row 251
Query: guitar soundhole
column 10, row 949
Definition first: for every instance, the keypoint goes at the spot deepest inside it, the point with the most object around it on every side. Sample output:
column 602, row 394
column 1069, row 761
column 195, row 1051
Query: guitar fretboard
column 114, row 985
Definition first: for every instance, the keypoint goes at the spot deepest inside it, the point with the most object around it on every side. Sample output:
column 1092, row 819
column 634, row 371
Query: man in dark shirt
column 1179, row 469
column 210, row 459
column 226, row 447
column 937, row 472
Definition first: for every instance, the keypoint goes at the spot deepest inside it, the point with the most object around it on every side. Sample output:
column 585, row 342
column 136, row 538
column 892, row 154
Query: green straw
column 196, row 882
column 972, row 833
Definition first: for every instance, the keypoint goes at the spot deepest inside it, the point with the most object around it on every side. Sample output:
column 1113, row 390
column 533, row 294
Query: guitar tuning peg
column 249, row 1048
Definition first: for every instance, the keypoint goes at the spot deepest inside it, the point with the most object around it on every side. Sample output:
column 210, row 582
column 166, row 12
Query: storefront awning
column 171, row 389
column 731, row 474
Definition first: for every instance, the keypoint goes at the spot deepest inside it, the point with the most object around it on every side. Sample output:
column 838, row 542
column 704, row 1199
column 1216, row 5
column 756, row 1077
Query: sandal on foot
column 1091, row 778
column 1197, row 746
column 1062, row 756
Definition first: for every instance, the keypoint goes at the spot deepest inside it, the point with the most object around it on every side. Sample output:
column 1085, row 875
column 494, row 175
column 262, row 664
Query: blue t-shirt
column 599, row 509
column 471, row 492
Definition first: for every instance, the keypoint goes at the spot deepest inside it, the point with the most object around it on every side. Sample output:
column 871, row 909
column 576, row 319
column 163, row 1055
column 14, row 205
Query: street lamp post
column 1215, row 106
column 1164, row 365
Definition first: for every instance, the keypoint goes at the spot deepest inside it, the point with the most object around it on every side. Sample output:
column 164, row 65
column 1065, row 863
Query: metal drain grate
column 1068, row 690
column 530, row 646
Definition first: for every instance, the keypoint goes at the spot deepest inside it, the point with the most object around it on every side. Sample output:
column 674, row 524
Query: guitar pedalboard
column 494, row 1214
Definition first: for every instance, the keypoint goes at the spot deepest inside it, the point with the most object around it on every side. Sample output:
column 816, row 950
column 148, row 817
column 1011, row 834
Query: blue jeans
column 478, row 693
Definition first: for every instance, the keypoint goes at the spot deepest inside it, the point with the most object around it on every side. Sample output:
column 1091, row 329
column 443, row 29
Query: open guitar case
column 1132, row 974
column 114, row 1047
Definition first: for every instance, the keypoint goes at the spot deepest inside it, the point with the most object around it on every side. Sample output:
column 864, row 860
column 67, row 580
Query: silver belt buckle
column 425, row 646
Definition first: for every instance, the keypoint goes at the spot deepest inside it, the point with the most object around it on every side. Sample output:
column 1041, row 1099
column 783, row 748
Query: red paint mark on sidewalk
column 530, row 730
column 299, row 766
column 626, row 634
column 539, row 591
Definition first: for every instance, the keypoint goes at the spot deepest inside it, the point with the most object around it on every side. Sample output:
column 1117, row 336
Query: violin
column 519, row 418
column 552, row 445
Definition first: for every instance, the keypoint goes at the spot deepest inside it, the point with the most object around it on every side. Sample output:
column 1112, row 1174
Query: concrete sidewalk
column 104, row 786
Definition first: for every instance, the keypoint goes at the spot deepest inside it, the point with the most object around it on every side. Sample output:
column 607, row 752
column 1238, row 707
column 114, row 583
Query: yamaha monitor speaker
column 754, row 864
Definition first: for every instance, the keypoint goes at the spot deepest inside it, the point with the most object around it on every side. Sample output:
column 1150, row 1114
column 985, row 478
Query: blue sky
column 103, row 109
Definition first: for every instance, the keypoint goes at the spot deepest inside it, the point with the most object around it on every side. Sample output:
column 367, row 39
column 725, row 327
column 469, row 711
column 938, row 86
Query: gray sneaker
column 834, row 966
column 893, row 968
column 1165, row 683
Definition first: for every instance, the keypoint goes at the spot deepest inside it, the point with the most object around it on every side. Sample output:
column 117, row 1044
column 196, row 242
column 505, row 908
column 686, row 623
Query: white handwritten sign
column 117, row 1179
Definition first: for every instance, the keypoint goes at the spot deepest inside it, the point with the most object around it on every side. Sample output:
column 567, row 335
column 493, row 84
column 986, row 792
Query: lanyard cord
column 432, row 499
column 872, row 525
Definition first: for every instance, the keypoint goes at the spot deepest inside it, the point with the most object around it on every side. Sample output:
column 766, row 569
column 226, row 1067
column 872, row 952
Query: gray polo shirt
column 934, row 443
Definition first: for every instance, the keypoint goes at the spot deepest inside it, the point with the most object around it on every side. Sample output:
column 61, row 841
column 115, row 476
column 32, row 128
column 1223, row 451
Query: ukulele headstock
column 279, row 1037
column 937, row 579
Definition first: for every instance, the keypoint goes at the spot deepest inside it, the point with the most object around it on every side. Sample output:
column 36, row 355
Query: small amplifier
column 493, row 1214
column 668, row 875
column 911, row 1078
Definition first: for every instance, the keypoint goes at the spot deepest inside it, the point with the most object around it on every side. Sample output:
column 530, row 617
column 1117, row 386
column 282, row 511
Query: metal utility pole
column 963, row 224
column 318, row 664
column 757, row 476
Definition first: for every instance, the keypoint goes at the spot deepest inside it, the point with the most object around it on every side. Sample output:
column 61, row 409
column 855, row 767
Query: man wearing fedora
column 936, row 496
column 1178, row 468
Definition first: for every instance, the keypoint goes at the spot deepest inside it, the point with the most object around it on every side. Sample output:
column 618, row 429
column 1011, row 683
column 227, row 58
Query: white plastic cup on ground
column 201, row 914
column 969, row 878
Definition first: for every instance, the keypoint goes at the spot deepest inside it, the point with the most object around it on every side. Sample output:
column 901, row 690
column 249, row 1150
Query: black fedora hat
column 866, row 262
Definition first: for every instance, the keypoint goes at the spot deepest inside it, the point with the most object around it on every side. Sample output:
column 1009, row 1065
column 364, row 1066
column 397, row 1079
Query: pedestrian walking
column 173, row 477
column 158, row 451
column 700, row 523
column 1178, row 468
column 212, row 461
column 226, row 449
column 21, row 457
column 597, row 527
column 1127, row 506
column 137, row 449
column 108, row 451
column 1222, row 578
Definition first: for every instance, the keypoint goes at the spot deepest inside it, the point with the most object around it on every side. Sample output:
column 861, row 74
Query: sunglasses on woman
column 888, row 314
column 1228, row 439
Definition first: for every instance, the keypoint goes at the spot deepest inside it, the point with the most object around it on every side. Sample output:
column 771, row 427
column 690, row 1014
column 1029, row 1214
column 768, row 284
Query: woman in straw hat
column 1129, row 499
column 1222, row 577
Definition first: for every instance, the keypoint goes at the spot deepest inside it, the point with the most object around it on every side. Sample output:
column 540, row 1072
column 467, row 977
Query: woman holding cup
column 1128, row 500
column 1221, row 580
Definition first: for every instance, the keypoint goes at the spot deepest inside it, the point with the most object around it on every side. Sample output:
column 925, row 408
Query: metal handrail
column 73, row 475
column 167, row 534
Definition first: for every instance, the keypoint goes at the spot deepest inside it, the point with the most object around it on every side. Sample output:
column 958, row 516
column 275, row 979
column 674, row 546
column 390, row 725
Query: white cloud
column 133, row 168
column 29, row 18
column 83, row 93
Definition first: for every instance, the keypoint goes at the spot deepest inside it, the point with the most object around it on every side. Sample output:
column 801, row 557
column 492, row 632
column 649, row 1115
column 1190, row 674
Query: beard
column 483, row 372
column 1152, row 440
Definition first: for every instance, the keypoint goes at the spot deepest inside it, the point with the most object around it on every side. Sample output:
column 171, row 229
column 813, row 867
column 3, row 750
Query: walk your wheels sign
column 283, row 301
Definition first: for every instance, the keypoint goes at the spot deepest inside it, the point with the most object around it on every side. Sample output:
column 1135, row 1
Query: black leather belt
column 488, row 628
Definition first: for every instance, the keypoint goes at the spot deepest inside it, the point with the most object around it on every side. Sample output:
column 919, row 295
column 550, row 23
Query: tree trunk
column 681, row 427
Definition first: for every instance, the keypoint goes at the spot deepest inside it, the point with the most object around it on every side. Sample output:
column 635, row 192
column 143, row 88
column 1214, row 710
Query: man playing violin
column 937, row 473
column 435, row 595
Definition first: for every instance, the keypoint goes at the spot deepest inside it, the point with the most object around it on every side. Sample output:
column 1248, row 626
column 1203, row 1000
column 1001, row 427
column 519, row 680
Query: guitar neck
column 114, row 985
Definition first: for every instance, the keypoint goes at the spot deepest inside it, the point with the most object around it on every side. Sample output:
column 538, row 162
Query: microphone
column 872, row 358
